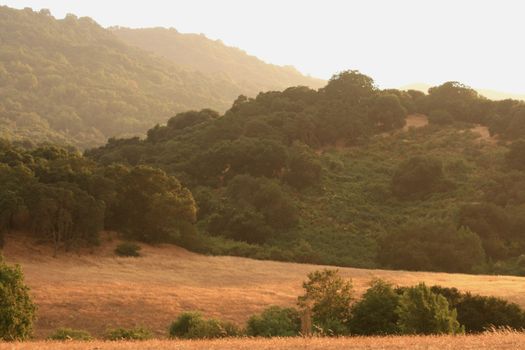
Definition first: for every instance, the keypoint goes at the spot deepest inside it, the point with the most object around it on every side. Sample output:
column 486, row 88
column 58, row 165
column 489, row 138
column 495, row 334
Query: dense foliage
column 275, row 321
column 376, row 312
column 17, row 311
column 421, row 311
column 330, row 177
column 66, row 199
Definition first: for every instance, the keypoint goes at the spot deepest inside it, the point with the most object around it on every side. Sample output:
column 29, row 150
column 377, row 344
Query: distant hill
column 70, row 81
column 196, row 52
column 490, row 94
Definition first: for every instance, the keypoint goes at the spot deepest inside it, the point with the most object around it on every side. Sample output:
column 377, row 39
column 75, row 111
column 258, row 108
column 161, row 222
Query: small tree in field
column 421, row 311
column 17, row 311
column 328, row 296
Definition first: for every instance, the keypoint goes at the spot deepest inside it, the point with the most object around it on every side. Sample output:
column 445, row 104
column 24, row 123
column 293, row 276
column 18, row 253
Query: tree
column 350, row 86
column 17, row 311
column 303, row 168
column 479, row 313
column 433, row 245
column 491, row 223
column 387, row 113
column 375, row 313
column 421, row 311
column 418, row 177
column 150, row 205
column 328, row 297
column 275, row 321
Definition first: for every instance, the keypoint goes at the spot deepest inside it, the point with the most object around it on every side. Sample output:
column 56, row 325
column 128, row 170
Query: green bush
column 17, row 311
column 128, row 249
column 479, row 313
column 70, row 334
column 137, row 333
column 275, row 321
column 375, row 313
column 419, row 177
column 422, row 311
column 191, row 325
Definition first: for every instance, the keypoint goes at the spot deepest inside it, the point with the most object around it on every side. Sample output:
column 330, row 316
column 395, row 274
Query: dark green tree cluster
column 247, row 166
column 383, row 309
column 328, row 176
column 455, row 102
column 432, row 245
column 67, row 199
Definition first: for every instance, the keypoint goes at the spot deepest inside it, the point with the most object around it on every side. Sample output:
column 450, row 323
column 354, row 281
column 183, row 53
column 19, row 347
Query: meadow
column 491, row 340
column 95, row 291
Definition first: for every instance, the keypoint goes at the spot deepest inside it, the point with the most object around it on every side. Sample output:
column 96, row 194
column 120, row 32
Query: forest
column 72, row 82
column 327, row 176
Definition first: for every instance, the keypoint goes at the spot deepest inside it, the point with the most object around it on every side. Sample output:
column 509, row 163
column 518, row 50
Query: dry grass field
column 492, row 341
column 95, row 290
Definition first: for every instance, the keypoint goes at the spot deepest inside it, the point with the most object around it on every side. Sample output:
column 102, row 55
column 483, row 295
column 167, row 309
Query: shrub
column 419, row 177
column 421, row 311
column 328, row 296
column 137, row 333
column 191, row 325
column 375, row 313
column 17, row 311
column 275, row 321
column 128, row 249
column 70, row 334
column 479, row 313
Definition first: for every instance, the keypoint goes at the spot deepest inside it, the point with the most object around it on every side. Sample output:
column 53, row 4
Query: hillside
column 196, row 52
column 95, row 290
column 351, row 175
column 70, row 81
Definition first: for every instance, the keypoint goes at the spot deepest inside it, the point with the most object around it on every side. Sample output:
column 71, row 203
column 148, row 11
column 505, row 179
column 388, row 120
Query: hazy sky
column 480, row 43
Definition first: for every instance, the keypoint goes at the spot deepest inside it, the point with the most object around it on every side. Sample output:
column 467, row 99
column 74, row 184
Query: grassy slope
column 96, row 291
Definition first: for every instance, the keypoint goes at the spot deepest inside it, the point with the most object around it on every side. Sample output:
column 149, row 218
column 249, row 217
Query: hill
column 351, row 175
column 196, row 52
column 95, row 290
column 70, row 81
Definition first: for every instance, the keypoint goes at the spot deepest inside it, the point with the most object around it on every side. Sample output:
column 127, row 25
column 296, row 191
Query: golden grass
column 96, row 290
column 492, row 341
